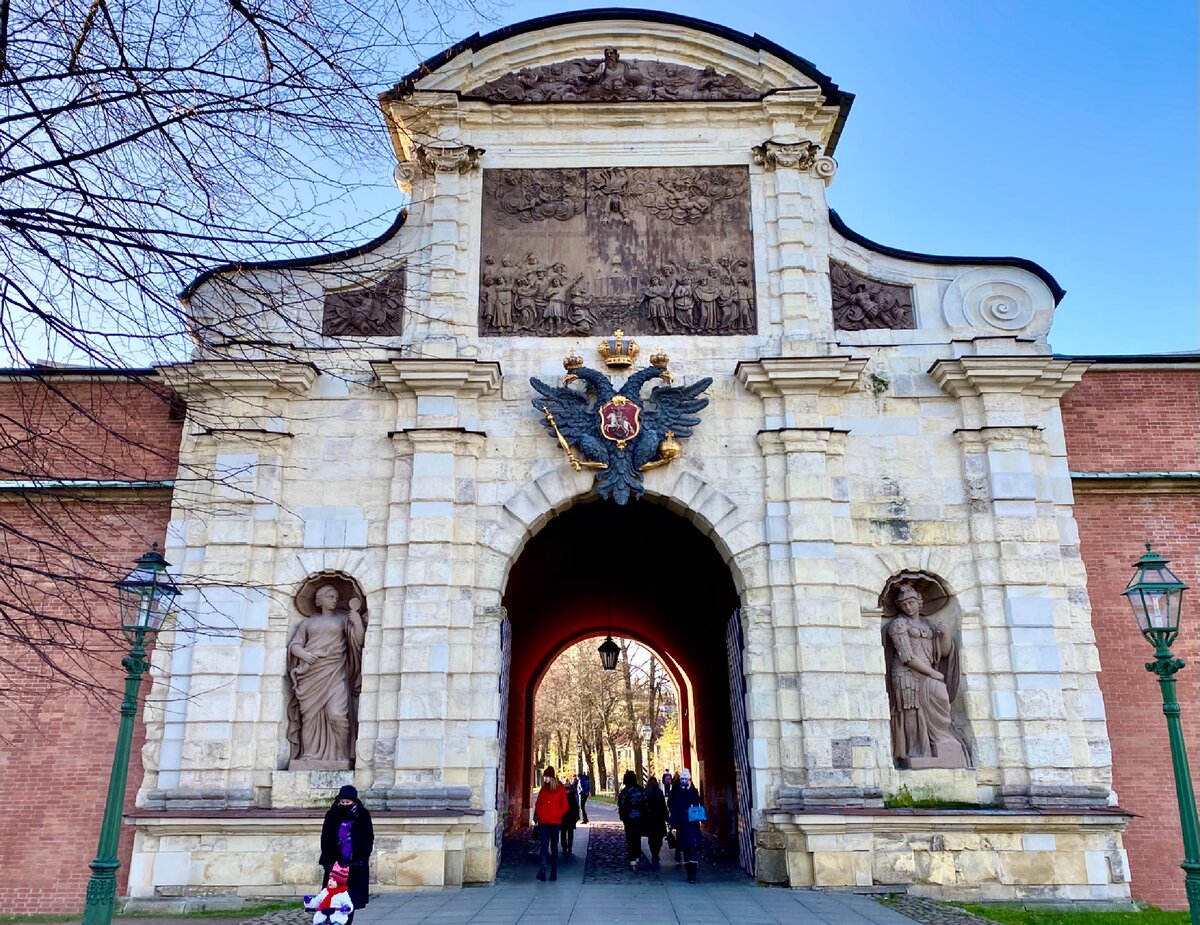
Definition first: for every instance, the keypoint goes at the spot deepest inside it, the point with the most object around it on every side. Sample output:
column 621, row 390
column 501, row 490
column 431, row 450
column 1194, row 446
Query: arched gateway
column 646, row 573
column 829, row 483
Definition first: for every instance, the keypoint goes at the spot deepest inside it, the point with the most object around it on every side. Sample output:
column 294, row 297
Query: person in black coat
column 631, row 808
column 683, row 796
column 347, row 836
column 656, row 820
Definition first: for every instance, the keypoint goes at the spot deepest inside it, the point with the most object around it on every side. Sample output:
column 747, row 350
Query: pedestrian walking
column 585, row 791
column 548, row 814
column 571, row 819
column 631, row 807
column 347, row 838
column 687, row 812
column 656, row 820
column 666, row 781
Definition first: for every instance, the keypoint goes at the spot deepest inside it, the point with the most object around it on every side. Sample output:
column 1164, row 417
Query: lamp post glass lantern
column 1156, row 595
column 145, row 596
column 609, row 653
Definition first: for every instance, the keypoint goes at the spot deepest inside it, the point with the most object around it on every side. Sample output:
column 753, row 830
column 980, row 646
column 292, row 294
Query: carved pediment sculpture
column 369, row 311
column 861, row 303
column 611, row 79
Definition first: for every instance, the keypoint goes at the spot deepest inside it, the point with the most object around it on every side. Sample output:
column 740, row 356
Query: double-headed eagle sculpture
column 616, row 431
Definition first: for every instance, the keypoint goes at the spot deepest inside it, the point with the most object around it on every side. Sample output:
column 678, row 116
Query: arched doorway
column 606, row 722
column 644, row 572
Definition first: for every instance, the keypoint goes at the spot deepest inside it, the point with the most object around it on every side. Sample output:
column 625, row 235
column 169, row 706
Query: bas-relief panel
column 861, row 303
column 368, row 311
column 651, row 250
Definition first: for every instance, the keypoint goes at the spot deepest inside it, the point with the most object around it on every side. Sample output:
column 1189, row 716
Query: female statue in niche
column 325, row 666
column 923, row 676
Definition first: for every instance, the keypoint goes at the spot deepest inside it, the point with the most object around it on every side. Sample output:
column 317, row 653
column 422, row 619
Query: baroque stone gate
column 880, row 465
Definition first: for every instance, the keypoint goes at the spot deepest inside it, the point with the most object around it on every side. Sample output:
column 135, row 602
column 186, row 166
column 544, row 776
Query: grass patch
column 1034, row 915
column 906, row 799
column 248, row 911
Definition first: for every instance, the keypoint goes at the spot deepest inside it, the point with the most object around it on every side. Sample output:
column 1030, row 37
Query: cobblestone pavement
column 606, row 859
column 930, row 911
column 297, row 916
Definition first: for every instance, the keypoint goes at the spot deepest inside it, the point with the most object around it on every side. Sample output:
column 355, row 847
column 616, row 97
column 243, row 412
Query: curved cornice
column 1029, row 266
column 296, row 263
column 834, row 96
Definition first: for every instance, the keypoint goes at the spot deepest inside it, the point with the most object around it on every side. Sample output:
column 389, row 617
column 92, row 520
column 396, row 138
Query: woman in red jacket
column 548, row 813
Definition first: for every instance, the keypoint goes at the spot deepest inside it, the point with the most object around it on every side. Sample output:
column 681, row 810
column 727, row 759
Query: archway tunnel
column 639, row 571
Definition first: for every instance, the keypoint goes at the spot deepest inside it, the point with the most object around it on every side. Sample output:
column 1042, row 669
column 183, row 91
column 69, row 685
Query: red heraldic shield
column 620, row 420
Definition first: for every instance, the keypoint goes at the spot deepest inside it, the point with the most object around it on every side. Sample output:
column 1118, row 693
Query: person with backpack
column 687, row 812
column 656, row 820
column 631, row 807
column 585, row 791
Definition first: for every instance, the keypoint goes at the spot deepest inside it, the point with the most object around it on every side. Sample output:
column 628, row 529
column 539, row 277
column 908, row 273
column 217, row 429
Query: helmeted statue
column 325, row 667
column 923, row 678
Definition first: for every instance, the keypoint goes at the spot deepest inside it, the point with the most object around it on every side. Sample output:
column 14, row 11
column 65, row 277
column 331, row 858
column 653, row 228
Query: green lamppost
column 1156, row 595
column 145, row 596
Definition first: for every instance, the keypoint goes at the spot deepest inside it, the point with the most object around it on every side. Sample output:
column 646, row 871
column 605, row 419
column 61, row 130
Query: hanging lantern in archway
column 609, row 653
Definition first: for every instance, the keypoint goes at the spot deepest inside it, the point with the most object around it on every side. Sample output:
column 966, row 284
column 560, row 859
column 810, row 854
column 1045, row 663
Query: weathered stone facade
column 828, row 462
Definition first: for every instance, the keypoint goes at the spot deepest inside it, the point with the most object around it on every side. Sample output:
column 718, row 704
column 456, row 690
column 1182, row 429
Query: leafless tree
column 581, row 708
column 143, row 142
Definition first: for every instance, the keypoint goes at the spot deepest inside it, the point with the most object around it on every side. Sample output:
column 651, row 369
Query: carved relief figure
column 325, row 667
column 861, row 303
column 923, row 679
column 369, row 311
column 656, row 296
column 614, row 79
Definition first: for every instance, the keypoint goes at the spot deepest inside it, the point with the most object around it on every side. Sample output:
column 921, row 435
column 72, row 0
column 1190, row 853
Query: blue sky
column 1064, row 132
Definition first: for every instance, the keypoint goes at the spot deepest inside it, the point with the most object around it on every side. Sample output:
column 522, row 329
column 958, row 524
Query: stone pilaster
column 213, row 719
column 1048, row 741
column 432, row 643
column 827, row 742
column 793, row 197
column 440, row 171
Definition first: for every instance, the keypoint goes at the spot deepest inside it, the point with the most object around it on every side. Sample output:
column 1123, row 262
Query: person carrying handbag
column 687, row 812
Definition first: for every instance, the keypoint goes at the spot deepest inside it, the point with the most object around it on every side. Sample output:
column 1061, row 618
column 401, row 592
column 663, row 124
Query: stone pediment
column 612, row 78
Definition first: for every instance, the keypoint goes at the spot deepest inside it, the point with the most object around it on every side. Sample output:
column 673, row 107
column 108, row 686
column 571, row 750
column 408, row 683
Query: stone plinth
column 273, row 853
column 302, row 788
column 984, row 855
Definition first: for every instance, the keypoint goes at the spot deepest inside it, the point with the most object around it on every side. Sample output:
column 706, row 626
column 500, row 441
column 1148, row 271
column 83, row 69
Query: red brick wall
column 1133, row 420
column 76, row 427
column 58, row 556
column 1127, row 421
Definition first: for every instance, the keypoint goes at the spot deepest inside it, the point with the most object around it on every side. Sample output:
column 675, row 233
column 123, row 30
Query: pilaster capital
column 1028, row 438
column 773, row 377
column 1035, row 376
column 459, row 378
column 203, row 379
column 788, row 151
column 431, row 159
column 803, row 440
column 454, row 440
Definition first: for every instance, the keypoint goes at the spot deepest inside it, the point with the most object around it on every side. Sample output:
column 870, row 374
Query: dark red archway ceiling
column 643, row 571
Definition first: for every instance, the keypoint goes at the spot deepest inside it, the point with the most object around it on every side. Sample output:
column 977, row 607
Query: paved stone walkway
column 628, row 898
